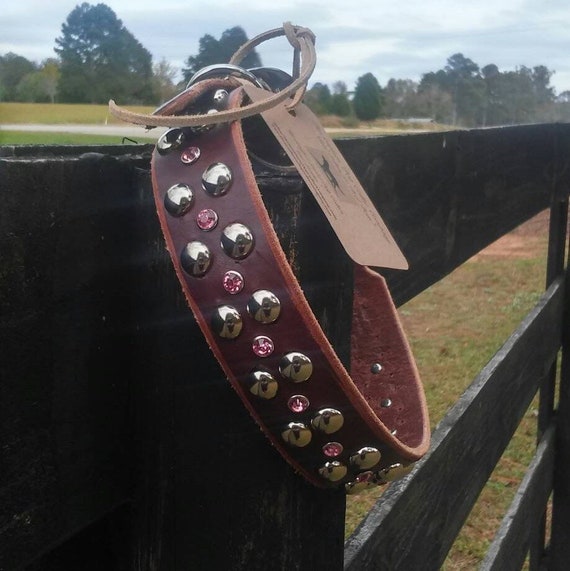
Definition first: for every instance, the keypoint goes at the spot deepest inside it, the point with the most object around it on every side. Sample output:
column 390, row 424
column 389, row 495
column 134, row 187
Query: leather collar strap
column 335, row 429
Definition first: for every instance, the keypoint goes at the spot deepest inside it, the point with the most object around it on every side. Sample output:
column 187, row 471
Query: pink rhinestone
column 190, row 155
column 262, row 346
column 207, row 219
column 365, row 477
column 298, row 403
column 332, row 449
column 233, row 282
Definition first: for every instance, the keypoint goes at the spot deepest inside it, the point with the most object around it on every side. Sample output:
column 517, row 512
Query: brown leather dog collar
column 335, row 429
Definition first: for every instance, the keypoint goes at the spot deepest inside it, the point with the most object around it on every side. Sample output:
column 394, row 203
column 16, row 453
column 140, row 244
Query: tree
column 212, row 51
column 40, row 86
column 13, row 69
column 164, row 75
column 435, row 102
column 367, row 101
column 518, row 96
column 50, row 75
column 516, row 93
column 543, row 92
column 318, row 98
column 562, row 107
column 339, row 103
column 462, row 80
column 30, row 90
column 401, row 98
column 458, row 66
column 467, row 88
column 541, row 80
column 491, row 77
column 101, row 59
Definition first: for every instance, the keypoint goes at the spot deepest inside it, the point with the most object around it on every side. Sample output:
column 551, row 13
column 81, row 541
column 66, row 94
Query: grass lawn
column 60, row 113
column 45, row 138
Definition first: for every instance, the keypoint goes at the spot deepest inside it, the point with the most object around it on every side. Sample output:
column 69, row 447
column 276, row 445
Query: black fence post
column 559, row 552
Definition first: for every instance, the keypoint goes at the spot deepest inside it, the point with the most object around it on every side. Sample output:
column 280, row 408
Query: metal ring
column 273, row 78
column 223, row 70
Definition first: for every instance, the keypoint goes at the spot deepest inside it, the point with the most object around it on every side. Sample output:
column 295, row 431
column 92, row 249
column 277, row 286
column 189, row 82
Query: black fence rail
column 124, row 448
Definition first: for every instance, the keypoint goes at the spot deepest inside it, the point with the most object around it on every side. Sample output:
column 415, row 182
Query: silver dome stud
column 227, row 322
column 264, row 306
column 366, row 458
column 237, row 241
column 169, row 141
column 178, row 199
column 263, row 385
column 296, row 367
column 217, row 179
column 362, row 482
column 333, row 471
column 196, row 259
column 394, row 472
column 328, row 420
column 297, row 434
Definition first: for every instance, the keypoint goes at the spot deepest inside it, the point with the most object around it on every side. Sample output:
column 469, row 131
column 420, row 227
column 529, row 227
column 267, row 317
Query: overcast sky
column 388, row 38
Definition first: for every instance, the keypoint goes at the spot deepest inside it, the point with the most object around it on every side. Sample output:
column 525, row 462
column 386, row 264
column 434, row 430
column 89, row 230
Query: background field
column 61, row 116
column 58, row 114
column 454, row 327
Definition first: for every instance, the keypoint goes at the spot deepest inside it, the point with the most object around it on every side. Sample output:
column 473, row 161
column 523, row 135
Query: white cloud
column 389, row 39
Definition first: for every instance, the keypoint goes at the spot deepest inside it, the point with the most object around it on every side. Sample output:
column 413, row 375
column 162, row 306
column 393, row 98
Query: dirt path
column 523, row 242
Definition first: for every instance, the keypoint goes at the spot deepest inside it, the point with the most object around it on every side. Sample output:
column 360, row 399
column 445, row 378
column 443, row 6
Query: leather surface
column 377, row 334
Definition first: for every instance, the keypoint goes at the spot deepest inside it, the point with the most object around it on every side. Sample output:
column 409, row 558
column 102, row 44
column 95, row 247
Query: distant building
column 424, row 120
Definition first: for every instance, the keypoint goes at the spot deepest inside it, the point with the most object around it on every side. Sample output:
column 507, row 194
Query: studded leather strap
column 333, row 428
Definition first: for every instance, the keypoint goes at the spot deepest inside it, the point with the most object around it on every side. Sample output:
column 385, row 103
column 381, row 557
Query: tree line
column 461, row 93
column 98, row 59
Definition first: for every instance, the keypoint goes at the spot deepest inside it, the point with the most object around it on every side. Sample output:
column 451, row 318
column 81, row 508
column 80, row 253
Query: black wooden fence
column 122, row 447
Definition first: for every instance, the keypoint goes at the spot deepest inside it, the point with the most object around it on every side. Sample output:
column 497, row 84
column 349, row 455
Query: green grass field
column 46, row 138
column 58, row 114
column 62, row 114
column 454, row 327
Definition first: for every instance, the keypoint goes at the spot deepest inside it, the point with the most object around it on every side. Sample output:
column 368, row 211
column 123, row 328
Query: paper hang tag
column 353, row 217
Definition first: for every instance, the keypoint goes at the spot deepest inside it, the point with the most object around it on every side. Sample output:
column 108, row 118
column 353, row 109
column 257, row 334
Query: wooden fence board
column 414, row 525
column 445, row 196
column 64, row 383
column 122, row 400
column 560, row 544
column 523, row 518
